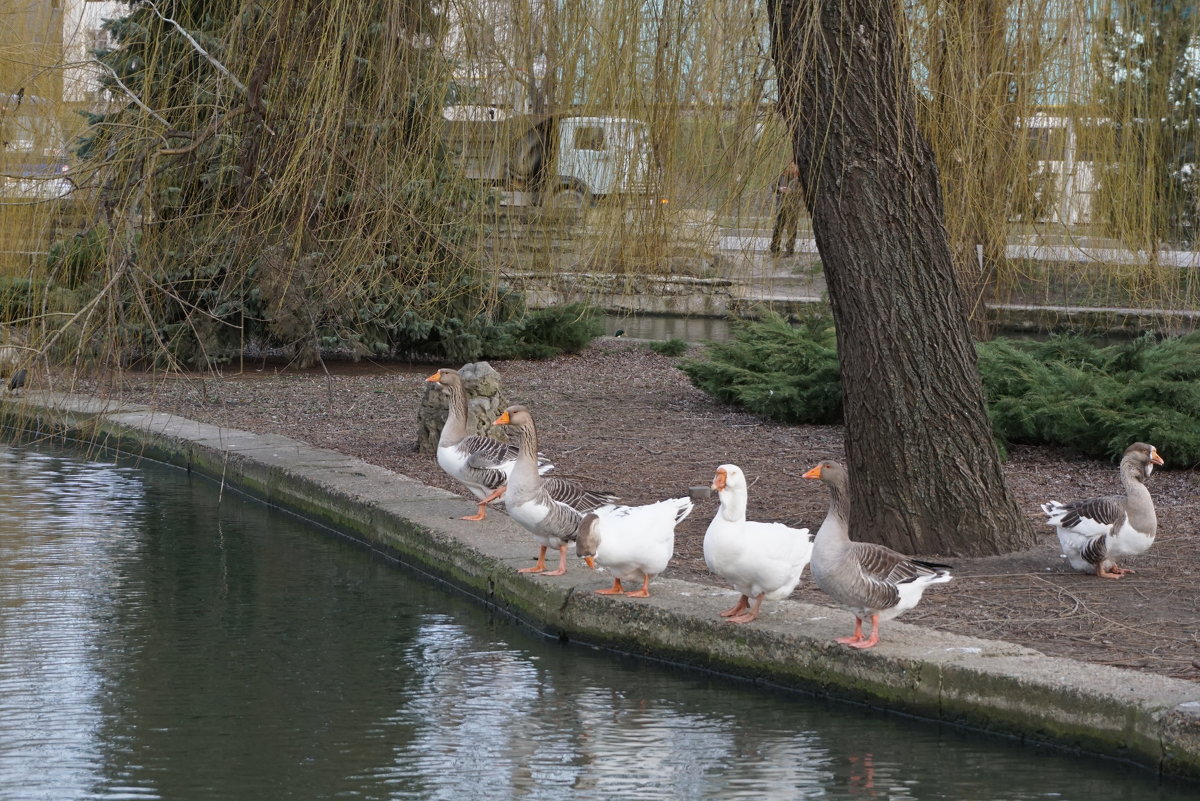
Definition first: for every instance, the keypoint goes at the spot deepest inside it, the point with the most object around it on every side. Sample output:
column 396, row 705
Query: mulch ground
column 620, row 416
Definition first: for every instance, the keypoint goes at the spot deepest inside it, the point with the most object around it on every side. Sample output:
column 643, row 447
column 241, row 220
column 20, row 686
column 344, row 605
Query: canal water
column 161, row 639
column 702, row 330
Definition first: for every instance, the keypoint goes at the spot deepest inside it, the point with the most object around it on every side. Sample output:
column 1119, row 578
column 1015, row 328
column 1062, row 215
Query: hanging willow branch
column 192, row 41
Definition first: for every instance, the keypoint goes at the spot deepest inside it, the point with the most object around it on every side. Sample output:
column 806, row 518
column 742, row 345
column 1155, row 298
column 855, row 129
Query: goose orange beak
column 503, row 420
column 814, row 473
column 435, row 377
column 1154, row 457
column 719, row 481
column 590, row 562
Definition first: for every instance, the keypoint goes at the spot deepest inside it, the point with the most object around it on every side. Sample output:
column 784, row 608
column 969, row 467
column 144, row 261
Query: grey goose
column 1094, row 532
column 872, row 581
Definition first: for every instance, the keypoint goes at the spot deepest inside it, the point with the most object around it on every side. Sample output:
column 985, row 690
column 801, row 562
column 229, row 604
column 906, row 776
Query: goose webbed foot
column 562, row 563
column 857, row 637
column 742, row 603
column 541, row 563
column 857, row 641
column 752, row 614
column 644, row 592
column 481, row 513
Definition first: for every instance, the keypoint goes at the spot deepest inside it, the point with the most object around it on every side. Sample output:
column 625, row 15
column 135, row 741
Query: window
column 1047, row 144
column 589, row 137
column 98, row 40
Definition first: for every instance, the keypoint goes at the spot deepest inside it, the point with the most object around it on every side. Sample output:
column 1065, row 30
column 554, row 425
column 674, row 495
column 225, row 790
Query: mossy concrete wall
column 985, row 684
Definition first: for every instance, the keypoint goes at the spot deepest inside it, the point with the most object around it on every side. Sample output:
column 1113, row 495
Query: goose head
column 729, row 477
column 831, row 472
column 731, row 488
column 447, row 378
column 1144, row 456
column 514, row 416
column 588, row 540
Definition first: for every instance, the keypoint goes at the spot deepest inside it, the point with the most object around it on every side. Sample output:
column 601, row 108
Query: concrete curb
column 984, row 684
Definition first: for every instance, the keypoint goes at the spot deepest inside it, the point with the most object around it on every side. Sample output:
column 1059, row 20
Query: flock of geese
column 762, row 561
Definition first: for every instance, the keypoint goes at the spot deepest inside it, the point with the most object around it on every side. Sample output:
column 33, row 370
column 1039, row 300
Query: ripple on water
column 155, row 643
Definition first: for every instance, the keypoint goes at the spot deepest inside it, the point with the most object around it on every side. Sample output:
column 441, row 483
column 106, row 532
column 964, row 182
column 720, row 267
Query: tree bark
column 926, row 474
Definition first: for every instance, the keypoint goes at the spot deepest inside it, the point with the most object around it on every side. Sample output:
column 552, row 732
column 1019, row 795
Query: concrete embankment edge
column 983, row 684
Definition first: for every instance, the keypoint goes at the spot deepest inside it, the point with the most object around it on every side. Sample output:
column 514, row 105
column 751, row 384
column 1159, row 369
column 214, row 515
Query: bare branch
column 203, row 136
column 221, row 67
column 129, row 92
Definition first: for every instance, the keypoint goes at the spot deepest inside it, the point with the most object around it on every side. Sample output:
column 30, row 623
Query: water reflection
column 60, row 557
column 155, row 643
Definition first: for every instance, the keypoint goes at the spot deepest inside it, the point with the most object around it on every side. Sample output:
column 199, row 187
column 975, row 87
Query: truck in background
column 564, row 161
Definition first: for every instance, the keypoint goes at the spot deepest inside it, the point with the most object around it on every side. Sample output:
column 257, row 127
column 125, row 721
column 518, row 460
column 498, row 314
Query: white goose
column 1094, row 532
column 551, row 515
column 634, row 542
column 760, row 560
column 482, row 464
column 868, row 579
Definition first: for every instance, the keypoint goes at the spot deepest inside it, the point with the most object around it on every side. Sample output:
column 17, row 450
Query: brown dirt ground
column 620, row 416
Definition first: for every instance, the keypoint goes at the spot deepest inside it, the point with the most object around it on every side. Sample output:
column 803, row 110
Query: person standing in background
column 787, row 210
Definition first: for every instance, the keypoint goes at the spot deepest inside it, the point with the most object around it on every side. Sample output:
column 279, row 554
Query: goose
column 1095, row 531
column 868, row 579
column 634, row 542
column 760, row 560
column 549, row 509
column 480, row 463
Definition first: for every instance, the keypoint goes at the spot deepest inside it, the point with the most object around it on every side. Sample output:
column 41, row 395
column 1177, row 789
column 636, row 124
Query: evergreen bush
column 16, row 299
column 783, row 372
column 1096, row 400
column 559, row 329
column 671, row 347
column 1065, row 391
column 72, row 260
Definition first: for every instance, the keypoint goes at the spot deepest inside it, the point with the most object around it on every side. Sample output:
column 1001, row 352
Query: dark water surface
column 159, row 640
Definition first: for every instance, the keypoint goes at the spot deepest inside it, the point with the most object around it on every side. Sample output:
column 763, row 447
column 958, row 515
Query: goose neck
column 1132, row 474
column 834, row 533
column 733, row 504
column 527, row 461
column 455, row 428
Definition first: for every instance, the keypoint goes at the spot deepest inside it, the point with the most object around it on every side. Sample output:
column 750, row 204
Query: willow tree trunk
column 926, row 474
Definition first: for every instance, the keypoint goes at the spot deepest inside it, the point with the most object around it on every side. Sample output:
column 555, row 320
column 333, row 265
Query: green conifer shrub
column 548, row 332
column 1064, row 391
column 671, row 347
column 770, row 367
column 1096, row 400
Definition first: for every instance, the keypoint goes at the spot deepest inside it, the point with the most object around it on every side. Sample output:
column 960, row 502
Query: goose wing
column 562, row 521
column 884, row 570
column 1094, row 517
column 790, row 546
column 486, row 453
column 649, row 516
column 487, row 462
column 639, row 537
column 575, row 495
